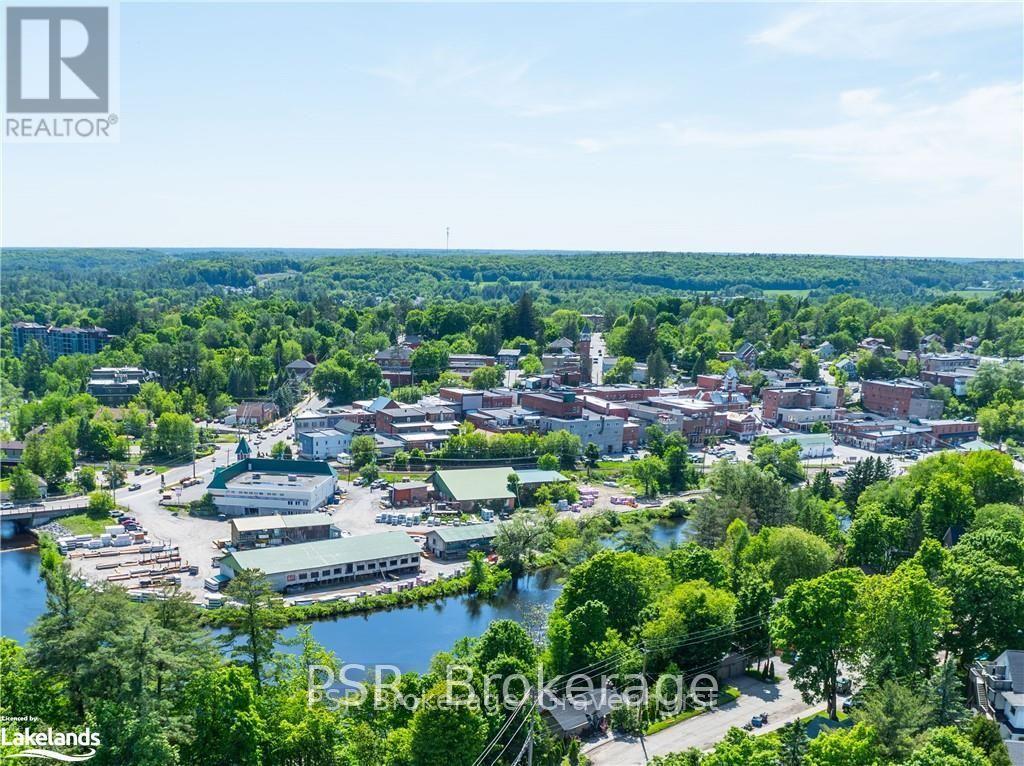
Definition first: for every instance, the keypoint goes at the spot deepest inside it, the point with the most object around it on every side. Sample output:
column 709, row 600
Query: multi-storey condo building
column 58, row 341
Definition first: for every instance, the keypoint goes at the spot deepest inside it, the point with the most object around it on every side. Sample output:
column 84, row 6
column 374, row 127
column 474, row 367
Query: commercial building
column 329, row 562
column 742, row 425
column 951, row 433
column 801, row 407
column 471, row 487
column 58, row 341
column 339, row 419
column 259, row 486
column 606, row 432
column 326, row 443
column 812, row 446
column 116, row 385
column 456, row 542
column 405, row 493
column 878, row 434
column 260, row 531
column 901, row 398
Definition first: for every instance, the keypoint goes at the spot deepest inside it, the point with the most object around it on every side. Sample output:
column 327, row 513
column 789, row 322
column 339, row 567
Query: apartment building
column 58, row 341
column 116, row 385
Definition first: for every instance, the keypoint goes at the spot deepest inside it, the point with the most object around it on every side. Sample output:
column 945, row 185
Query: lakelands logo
column 59, row 65
column 39, row 744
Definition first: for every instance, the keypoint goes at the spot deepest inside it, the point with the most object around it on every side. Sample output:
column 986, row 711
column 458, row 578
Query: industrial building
column 329, row 562
column 259, row 531
column 456, row 542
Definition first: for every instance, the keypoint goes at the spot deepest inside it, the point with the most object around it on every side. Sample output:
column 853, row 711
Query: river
column 407, row 637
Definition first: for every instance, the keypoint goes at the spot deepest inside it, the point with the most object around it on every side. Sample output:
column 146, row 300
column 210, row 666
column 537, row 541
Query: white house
column 998, row 690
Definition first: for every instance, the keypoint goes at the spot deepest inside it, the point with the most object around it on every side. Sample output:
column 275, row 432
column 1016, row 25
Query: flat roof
column 475, row 483
column 310, row 471
column 324, row 553
column 327, row 433
column 277, row 521
column 467, row 532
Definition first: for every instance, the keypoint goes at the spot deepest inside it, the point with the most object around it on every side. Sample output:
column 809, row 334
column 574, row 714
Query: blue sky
column 862, row 128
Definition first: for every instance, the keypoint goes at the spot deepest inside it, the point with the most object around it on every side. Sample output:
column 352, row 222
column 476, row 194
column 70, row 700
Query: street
column 781, row 701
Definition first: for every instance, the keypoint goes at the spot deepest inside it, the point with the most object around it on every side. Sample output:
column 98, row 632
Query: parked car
column 133, row 487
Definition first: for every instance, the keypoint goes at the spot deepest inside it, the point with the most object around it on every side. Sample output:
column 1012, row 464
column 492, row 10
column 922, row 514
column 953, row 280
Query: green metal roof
column 468, row 532
column 324, row 553
column 269, row 465
column 537, row 476
column 475, row 483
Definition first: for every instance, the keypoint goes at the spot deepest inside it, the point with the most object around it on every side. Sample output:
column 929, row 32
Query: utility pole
column 529, row 743
column 643, row 705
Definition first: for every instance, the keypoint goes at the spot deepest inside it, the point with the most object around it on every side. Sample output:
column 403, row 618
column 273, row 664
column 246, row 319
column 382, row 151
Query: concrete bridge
column 23, row 517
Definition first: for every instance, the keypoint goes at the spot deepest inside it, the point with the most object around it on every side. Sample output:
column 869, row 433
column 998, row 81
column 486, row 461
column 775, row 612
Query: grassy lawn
column 794, row 292
column 726, row 695
column 396, row 478
column 5, row 485
column 86, row 523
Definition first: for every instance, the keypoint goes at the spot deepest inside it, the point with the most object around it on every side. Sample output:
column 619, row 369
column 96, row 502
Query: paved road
column 597, row 353
column 781, row 701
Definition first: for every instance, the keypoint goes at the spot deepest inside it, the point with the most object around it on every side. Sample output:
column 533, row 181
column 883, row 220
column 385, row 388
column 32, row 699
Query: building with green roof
column 470, row 487
column 457, row 542
column 329, row 562
column 475, row 486
column 259, row 486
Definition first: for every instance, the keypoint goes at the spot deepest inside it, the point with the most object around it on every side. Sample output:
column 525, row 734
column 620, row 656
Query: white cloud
column 879, row 30
column 864, row 102
column 974, row 138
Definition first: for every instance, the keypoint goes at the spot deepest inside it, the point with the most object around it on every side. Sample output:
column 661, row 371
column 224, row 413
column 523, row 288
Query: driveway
column 781, row 701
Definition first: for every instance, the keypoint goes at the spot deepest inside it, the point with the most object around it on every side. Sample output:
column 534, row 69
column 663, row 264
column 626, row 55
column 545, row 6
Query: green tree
column 898, row 714
column 253, row 627
column 363, row 450
column 657, row 368
column 650, row 472
column 817, row 619
column 23, row 484
column 900, row 618
column 591, row 456
column 691, row 561
column 174, row 436
column 446, row 732
column 624, row 582
column 548, row 462
column 621, row 371
column 793, row 742
column 788, row 554
column 487, row 377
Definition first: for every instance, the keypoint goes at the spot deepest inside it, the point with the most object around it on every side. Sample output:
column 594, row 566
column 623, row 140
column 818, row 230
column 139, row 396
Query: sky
column 865, row 128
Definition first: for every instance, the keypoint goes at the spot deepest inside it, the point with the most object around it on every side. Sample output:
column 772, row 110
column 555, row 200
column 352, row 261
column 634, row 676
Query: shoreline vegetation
column 497, row 575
